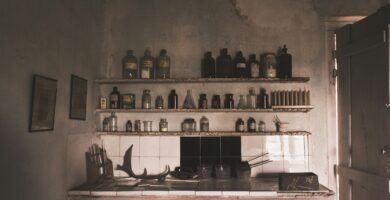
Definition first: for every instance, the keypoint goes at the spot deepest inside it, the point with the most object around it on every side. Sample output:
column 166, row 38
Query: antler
column 126, row 167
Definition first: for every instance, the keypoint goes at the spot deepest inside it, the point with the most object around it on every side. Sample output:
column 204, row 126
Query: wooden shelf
column 205, row 80
column 203, row 134
column 273, row 109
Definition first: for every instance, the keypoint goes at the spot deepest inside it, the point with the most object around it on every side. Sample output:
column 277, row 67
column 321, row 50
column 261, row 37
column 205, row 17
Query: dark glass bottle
column 254, row 66
column 251, row 125
column 202, row 103
column 129, row 126
column 216, row 102
column 240, row 68
column 147, row 65
column 240, row 125
column 115, row 98
column 163, row 65
column 130, row 66
column 224, row 64
column 284, row 63
column 208, row 66
column 263, row 100
column 172, row 100
column 229, row 101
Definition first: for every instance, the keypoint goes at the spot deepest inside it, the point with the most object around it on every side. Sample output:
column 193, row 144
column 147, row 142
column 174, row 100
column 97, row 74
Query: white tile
column 155, row 193
column 275, row 166
column 152, row 164
column 169, row 146
column 293, row 145
column 103, row 193
column 117, row 161
column 235, row 193
column 208, row 193
column 251, row 145
column 295, row 164
column 125, row 143
column 111, row 144
column 263, row 194
column 273, row 145
column 129, row 193
column 172, row 162
column 182, row 193
column 135, row 165
column 79, row 192
column 149, row 146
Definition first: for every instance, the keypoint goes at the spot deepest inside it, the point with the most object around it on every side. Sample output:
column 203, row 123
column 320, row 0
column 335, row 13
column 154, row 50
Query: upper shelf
column 205, row 80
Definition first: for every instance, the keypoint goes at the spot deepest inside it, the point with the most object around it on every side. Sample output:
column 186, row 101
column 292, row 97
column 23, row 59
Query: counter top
column 254, row 187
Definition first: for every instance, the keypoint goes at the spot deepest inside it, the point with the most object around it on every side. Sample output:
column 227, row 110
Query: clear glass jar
column 130, row 66
column 188, row 125
column 129, row 126
column 113, row 123
column 242, row 104
column 254, row 66
column 251, row 99
column 146, row 100
column 163, row 125
column 148, row 126
column 262, row 126
column 204, row 124
column 106, row 123
column 202, row 104
column 163, row 65
column 147, row 64
column 268, row 63
column 159, row 102
column 240, row 125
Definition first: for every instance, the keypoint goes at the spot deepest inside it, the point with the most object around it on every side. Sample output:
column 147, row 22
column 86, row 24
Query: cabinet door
column 364, row 119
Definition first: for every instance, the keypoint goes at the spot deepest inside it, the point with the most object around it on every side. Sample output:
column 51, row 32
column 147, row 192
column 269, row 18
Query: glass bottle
column 240, row 69
column 163, row 125
column 115, row 98
column 163, row 67
column 202, row 103
column 137, row 125
column 229, row 101
column 159, row 102
column 172, row 100
column 240, row 125
column 251, row 125
column 208, row 66
column 268, row 65
column 284, row 63
column 147, row 64
column 262, row 126
column 129, row 126
column 216, row 102
column 263, row 100
column 113, row 122
column 189, row 102
column 224, row 64
column 254, row 66
column 130, row 66
column 106, row 124
column 251, row 99
column 146, row 100
column 148, row 125
column 204, row 124
column 242, row 104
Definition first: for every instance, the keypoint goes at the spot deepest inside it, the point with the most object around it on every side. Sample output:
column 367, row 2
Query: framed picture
column 78, row 98
column 43, row 104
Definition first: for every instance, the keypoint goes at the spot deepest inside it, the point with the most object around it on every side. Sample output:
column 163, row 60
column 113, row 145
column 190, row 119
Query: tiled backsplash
column 288, row 153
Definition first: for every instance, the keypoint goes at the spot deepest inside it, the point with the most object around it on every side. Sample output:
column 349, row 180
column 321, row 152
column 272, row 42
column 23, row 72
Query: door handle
column 385, row 150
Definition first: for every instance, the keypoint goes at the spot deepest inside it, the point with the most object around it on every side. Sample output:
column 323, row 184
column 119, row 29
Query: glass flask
column 147, row 64
column 224, row 64
column 216, row 102
column 172, row 100
column 208, row 66
column 146, row 100
column 284, row 63
column 189, row 102
column 130, row 66
column 202, row 103
column 251, row 125
column 163, row 65
column 242, row 104
column 240, row 125
column 204, row 124
column 229, row 101
column 251, row 99
column 254, row 66
column 240, row 69
column 159, row 102
column 163, row 125
column 268, row 65
column 115, row 98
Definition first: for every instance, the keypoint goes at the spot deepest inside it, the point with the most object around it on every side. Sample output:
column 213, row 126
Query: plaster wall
column 53, row 39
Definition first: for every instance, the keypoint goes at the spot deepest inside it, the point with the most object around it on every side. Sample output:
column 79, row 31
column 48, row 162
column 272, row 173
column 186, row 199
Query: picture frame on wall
column 43, row 104
column 78, row 98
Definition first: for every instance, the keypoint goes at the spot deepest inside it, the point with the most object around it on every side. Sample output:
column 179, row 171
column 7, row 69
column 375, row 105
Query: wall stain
column 238, row 11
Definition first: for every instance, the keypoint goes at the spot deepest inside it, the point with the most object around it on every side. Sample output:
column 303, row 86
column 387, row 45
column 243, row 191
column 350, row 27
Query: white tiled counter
column 254, row 188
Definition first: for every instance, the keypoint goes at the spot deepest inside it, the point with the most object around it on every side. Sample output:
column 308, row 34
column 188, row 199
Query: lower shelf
column 203, row 134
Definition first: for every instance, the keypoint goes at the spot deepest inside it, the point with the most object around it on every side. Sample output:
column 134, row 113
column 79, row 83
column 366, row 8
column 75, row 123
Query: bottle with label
column 251, row 99
column 240, row 69
column 137, row 125
column 130, row 66
column 263, row 100
column 284, row 63
column 129, row 126
column 251, row 125
column 163, row 125
column 172, row 100
column 224, row 64
column 254, row 66
column 147, row 65
column 202, row 103
column 240, row 125
column 262, row 126
column 268, row 65
column 163, row 65
column 189, row 102
column 159, row 102
column 208, row 66
column 106, row 124
column 115, row 98
column 242, row 104
column 216, row 102
column 204, row 124
column 113, row 122
column 146, row 100
column 229, row 101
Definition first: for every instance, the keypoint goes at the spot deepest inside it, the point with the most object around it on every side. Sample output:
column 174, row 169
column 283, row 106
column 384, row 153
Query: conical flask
column 189, row 102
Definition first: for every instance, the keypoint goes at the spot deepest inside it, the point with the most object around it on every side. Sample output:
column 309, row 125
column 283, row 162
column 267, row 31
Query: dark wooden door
column 364, row 113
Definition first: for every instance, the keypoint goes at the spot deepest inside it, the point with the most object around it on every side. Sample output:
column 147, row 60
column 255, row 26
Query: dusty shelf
column 205, row 80
column 203, row 134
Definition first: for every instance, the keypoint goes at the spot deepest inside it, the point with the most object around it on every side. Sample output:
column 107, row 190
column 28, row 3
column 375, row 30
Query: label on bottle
column 147, row 64
column 241, row 127
column 241, row 65
column 255, row 70
column 131, row 66
column 163, row 129
column 145, row 73
column 162, row 63
column 270, row 72
column 103, row 103
column 252, row 126
column 114, row 97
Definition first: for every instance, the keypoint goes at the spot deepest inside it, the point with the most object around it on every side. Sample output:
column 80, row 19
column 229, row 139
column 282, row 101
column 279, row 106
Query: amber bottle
column 224, row 64
column 240, row 68
column 130, row 66
column 284, row 60
column 208, row 66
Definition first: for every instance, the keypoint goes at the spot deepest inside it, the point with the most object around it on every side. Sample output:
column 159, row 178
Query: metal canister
column 113, row 122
